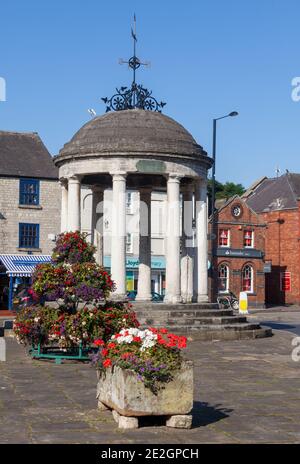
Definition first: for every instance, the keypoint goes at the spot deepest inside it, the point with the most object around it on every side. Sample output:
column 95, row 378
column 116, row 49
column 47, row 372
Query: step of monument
column 214, row 327
column 194, row 321
column 226, row 335
column 178, row 306
column 208, row 320
column 183, row 313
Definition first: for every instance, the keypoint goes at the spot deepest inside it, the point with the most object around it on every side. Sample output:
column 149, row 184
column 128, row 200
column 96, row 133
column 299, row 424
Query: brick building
column 238, row 258
column 277, row 203
column 29, row 204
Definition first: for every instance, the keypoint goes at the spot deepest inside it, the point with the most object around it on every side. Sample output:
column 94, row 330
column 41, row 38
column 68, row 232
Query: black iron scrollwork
column 135, row 97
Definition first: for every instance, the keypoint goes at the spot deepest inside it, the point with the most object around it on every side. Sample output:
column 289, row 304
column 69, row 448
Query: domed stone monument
column 143, row 150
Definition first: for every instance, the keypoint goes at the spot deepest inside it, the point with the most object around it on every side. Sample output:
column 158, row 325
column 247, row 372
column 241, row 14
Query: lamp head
column 233, row 113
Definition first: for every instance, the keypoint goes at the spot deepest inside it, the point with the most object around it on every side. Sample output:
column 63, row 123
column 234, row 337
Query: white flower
column 83, row 322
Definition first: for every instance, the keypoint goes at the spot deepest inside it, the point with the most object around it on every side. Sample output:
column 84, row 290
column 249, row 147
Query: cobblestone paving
column 245, row 392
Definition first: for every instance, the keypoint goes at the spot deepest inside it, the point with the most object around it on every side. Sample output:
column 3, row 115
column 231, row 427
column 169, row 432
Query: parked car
column 154, row 296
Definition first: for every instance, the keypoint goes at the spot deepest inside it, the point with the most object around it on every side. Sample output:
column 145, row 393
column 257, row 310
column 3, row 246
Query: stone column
column 144, row 276
column 118, row 248
column 64, row 206
column 173, row 241
column 97, row 222
column 74, row 203
column 201, row 240
column 187, row 261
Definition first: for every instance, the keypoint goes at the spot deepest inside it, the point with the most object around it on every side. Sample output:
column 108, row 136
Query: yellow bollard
column 243, row 303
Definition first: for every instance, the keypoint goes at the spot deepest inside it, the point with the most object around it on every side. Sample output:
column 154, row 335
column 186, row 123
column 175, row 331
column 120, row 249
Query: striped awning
column 22, row 265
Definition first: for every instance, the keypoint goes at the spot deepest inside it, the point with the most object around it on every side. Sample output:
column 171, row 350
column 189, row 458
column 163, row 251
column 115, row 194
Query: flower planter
column 120, row 390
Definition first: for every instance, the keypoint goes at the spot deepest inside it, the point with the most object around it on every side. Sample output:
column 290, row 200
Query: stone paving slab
column 245, row 392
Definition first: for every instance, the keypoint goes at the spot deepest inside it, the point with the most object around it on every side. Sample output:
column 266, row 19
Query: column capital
column 74, row 179
column 118, row 175
column 63, row 183
column 174, row 178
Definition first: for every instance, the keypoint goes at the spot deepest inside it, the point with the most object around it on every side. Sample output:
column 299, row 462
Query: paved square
column 245, row 392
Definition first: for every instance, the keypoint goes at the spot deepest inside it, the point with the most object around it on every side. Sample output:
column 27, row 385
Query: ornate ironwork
column 136, row 96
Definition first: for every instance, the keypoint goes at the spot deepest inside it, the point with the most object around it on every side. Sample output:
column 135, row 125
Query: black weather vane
column 136, row 96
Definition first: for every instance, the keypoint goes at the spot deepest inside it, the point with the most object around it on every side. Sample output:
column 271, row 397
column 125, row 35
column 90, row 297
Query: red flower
column 107, row 363
column 99, row 342
column 155, row 331
column 137, row 339
column 104, row 352
column 163, row 331
column 111, row 345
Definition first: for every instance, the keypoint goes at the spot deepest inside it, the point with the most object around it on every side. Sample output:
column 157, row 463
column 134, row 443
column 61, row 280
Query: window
column 285, row 282
column 247, row 279
column 223, row 278
column 129, row 202
column 29, row 191
column 129, row 243
column 248, row 238
column 29, row 235
column 224, row 238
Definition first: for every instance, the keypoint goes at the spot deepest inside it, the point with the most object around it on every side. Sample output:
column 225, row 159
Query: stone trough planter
column 120, row 390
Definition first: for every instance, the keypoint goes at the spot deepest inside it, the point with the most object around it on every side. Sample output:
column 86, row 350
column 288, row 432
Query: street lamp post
column 213, row 184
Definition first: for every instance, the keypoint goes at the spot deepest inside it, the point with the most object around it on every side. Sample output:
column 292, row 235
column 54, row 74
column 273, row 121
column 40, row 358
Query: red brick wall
column 249, row 220
column 283, row 249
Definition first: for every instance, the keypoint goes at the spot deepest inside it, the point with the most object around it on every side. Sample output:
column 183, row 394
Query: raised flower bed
column 143, row 373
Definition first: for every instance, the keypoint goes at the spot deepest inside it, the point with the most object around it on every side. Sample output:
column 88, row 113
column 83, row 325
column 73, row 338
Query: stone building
column 239, row 248
column 277, row 202
column 29, row 204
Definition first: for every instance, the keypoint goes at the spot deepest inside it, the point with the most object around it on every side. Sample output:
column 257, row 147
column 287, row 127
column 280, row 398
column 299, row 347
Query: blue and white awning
column 22, row 265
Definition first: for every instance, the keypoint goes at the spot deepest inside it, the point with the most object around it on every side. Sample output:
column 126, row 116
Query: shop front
column 158, row 273
column 15, row 275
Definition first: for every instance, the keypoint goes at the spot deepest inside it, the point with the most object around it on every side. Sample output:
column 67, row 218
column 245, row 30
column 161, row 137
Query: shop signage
column 157, row 262
column 244, row 253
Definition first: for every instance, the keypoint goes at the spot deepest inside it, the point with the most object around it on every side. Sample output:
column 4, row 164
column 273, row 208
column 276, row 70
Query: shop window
column 248, row 238
column 224, row 235
column 247, row 279
column 29, row 235
column 29, row 191
column 223, row 278
column 285, row 281
column 129, row 243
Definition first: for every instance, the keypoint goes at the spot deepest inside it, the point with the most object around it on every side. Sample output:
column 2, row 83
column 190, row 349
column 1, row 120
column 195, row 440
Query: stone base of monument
column 131, row 402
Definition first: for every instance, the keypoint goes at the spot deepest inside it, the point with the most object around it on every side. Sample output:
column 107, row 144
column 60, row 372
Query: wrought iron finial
column 136, row 96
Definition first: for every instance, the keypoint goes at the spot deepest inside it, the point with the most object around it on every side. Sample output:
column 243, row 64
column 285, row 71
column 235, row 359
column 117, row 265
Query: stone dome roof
column 132, row 132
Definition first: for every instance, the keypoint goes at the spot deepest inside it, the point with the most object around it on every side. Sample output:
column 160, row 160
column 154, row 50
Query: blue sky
column 207, row 58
